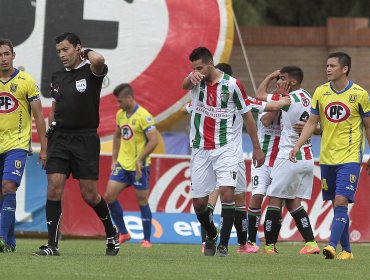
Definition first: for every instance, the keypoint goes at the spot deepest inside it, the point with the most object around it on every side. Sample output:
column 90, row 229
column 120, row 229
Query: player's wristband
column 269, row 97
column 86, row 51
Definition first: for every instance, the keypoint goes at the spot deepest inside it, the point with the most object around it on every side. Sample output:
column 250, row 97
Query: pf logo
column 8, row 103
column 337, row 112
column 126, row 132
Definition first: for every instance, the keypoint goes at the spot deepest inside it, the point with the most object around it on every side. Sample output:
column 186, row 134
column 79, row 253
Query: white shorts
column 211, row 168
column 260, row 179
column 291, row 180
column 241, row 180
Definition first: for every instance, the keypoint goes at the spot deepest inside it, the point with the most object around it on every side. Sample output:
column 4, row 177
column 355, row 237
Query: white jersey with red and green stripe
column 269, row 138
column 297, row 112
column 214, row 107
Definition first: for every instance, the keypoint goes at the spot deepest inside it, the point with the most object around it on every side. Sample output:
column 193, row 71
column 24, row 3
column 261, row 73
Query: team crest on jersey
column 148, row 119
column 126, row 132
column 305, row 101
column 133, row 122
column 352, row 178
column 352, row 98
column 17, row 164
column 337, row 112
column 81, row 85
column 8, row 103
column 13, row 87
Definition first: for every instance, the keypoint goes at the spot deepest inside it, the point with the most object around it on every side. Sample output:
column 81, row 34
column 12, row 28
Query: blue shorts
column 128, row 177
column 12, row 165
column 341, row 179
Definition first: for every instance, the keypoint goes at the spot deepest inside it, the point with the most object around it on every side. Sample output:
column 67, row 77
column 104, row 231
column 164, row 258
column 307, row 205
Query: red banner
column 170, row 193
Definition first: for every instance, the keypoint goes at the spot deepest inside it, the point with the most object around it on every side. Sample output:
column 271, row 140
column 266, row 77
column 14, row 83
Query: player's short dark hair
column 7, row 42
column 343, row 58
column 294, row 72
column 123, row 87
column 201, row 53
column 70, row 37
column 225, row 67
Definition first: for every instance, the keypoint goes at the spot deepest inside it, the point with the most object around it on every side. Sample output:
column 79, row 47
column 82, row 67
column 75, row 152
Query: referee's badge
column 17, row 164
column 81, row 85
column 352, row 178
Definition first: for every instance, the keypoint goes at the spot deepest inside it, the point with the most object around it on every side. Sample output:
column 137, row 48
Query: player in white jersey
column 214, row 161
column 240, row 219
column 291, row 187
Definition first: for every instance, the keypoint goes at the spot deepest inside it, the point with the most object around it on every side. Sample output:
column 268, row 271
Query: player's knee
column 54, row 192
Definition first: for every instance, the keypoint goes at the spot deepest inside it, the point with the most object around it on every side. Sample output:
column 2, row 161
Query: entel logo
column 8, row 103
column 337, row 112
column 135, row 227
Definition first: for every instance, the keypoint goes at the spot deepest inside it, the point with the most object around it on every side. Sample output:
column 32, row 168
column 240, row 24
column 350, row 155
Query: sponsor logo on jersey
column 8, row 103
column 81, row 85
column 337, row 112
column 13, row 87
column 352, row 98
column 126, row 132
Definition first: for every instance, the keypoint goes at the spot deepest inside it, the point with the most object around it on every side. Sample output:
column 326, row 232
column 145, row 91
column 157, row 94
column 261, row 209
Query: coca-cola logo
column 171, row 192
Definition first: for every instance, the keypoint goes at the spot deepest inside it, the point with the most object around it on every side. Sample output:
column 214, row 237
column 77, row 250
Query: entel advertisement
column 170, row 201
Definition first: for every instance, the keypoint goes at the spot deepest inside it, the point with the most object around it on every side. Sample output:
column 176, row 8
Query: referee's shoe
column 47, row 250
column 113, row 244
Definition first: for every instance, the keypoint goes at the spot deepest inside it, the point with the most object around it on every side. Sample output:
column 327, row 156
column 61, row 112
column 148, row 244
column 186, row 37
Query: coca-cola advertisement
column 173, row 218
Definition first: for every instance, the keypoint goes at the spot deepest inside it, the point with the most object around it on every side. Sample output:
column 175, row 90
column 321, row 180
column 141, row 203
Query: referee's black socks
column 101, row 209
column 53, row 218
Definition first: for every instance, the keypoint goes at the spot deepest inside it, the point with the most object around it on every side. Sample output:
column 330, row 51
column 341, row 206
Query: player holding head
column 343, row 109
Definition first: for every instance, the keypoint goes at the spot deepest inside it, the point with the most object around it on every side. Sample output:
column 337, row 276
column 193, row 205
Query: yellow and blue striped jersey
column 133, row 137
column 15, row 112
column 341, row 114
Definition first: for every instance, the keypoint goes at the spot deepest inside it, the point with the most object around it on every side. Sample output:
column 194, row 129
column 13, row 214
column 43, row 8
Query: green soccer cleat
column 269, row 249
column 310, row 248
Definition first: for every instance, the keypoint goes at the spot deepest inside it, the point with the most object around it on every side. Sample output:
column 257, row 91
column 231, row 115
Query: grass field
column 85, row 259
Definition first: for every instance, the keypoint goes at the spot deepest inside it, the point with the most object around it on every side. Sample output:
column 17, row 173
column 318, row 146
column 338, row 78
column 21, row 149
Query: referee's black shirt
column 76, row 93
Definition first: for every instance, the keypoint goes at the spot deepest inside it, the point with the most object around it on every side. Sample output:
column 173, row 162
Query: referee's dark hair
column 70, row 37
column 124, row 87
column 201, row 53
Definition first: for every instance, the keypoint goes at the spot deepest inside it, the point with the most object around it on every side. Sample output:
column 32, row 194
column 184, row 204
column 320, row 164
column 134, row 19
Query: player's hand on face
column 274, row 74
column 298, row 127
column 283, row 88
column 292, row 154
column 196, row 77
column 258, row 157
column 139, row 172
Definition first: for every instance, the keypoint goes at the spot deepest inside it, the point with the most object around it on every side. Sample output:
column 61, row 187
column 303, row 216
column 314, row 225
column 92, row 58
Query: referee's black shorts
column 75, row 152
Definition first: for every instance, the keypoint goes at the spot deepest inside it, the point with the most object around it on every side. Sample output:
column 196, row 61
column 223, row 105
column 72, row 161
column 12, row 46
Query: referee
column 73, row 142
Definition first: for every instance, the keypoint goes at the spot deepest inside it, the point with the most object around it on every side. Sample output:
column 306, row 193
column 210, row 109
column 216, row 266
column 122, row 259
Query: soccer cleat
column 203, row 243
column 2, row 245
column 344, row 255
column 210, row 245
column 269, row 249
column 9, row 248
column 222, row 251
column 124, row 237
column 242, row 249
column 251, row 247
column 112, row 244
column 146, row 244
column 310, row 248
column 46, row 250
column 329, row 252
